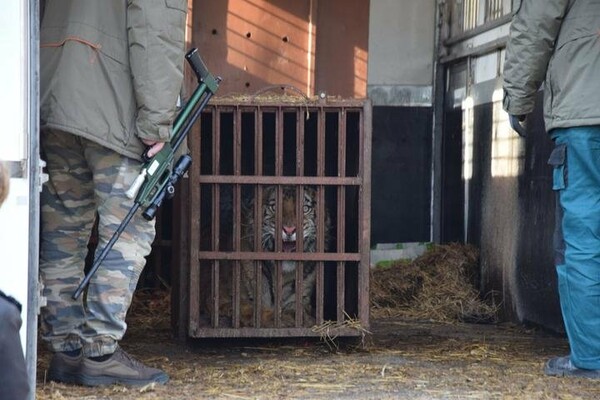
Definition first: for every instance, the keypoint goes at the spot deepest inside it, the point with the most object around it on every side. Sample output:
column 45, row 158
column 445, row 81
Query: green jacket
column 111, row 70
column 556, row 42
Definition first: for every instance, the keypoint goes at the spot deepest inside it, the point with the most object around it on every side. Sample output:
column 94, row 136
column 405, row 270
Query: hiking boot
column 119, row 368
column 64, row 368
column 562, row 366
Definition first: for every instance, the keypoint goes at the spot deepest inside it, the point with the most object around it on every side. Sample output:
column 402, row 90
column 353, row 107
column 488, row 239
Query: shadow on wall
column 258, row 43
column 511, row 217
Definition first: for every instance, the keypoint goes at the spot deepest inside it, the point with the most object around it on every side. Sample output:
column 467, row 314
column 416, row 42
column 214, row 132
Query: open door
column 19, row 216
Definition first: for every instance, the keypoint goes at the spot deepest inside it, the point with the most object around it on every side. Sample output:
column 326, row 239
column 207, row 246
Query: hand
column 515, row 123
column 153, row 147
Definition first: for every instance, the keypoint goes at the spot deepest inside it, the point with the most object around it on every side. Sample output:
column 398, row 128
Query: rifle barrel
column 98, row 260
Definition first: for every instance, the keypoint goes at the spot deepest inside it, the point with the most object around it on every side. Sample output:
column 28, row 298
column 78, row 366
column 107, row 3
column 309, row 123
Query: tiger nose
column 289, row 230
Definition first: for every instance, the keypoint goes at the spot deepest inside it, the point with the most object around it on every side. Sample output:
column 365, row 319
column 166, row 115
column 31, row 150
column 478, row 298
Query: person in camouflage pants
column 110, row 75
column 82, row 174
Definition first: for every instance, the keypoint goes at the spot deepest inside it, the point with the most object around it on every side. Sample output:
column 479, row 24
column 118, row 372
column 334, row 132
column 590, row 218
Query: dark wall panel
column 511, row 220
column 537, row 274
column 401, row 177
column 482, row 149
column 453, row 195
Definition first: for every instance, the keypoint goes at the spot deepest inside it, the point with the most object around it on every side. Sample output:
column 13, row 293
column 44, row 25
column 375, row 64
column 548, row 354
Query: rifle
column 158, row 178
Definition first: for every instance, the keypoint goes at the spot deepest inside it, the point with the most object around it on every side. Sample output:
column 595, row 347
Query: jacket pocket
column 558, row 161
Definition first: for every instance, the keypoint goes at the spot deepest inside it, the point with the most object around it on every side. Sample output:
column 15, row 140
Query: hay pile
column 437, row 286
column 440, row 285
column 278, row 93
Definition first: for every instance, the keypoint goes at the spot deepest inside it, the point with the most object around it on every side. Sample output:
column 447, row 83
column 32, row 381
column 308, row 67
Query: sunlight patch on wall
column 360, row 72
column 467, row 128
column 508, row 149
column 467, row 167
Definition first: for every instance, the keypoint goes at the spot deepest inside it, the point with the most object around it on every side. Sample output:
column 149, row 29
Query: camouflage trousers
column 87, row 181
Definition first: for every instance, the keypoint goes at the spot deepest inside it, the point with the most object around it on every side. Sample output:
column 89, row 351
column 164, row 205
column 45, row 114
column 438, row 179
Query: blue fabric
column 577, row 182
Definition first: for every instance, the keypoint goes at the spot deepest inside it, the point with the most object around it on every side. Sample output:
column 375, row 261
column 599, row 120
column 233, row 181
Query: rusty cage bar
column 263, row 173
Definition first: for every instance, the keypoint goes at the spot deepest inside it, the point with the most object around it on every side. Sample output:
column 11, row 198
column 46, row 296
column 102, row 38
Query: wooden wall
column 311, row 45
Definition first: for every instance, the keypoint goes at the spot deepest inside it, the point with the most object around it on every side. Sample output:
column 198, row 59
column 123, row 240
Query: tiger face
column 289, row 220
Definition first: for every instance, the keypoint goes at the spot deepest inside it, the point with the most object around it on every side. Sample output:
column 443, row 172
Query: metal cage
column 248, row 154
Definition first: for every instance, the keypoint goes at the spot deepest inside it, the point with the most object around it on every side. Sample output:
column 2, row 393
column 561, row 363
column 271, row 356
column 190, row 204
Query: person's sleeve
column 533, row 32
column 156, row 34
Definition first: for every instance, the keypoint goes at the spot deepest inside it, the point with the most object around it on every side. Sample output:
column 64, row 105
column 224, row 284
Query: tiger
column 288, row 244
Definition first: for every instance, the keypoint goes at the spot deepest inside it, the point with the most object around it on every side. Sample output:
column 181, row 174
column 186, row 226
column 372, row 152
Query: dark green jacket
column 556, row 42
column 111, row 70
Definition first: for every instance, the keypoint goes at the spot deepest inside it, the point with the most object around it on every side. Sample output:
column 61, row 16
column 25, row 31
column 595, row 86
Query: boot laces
column 130, row 359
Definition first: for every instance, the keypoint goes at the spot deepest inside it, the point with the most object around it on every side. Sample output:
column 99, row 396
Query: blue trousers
column 576, row 162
